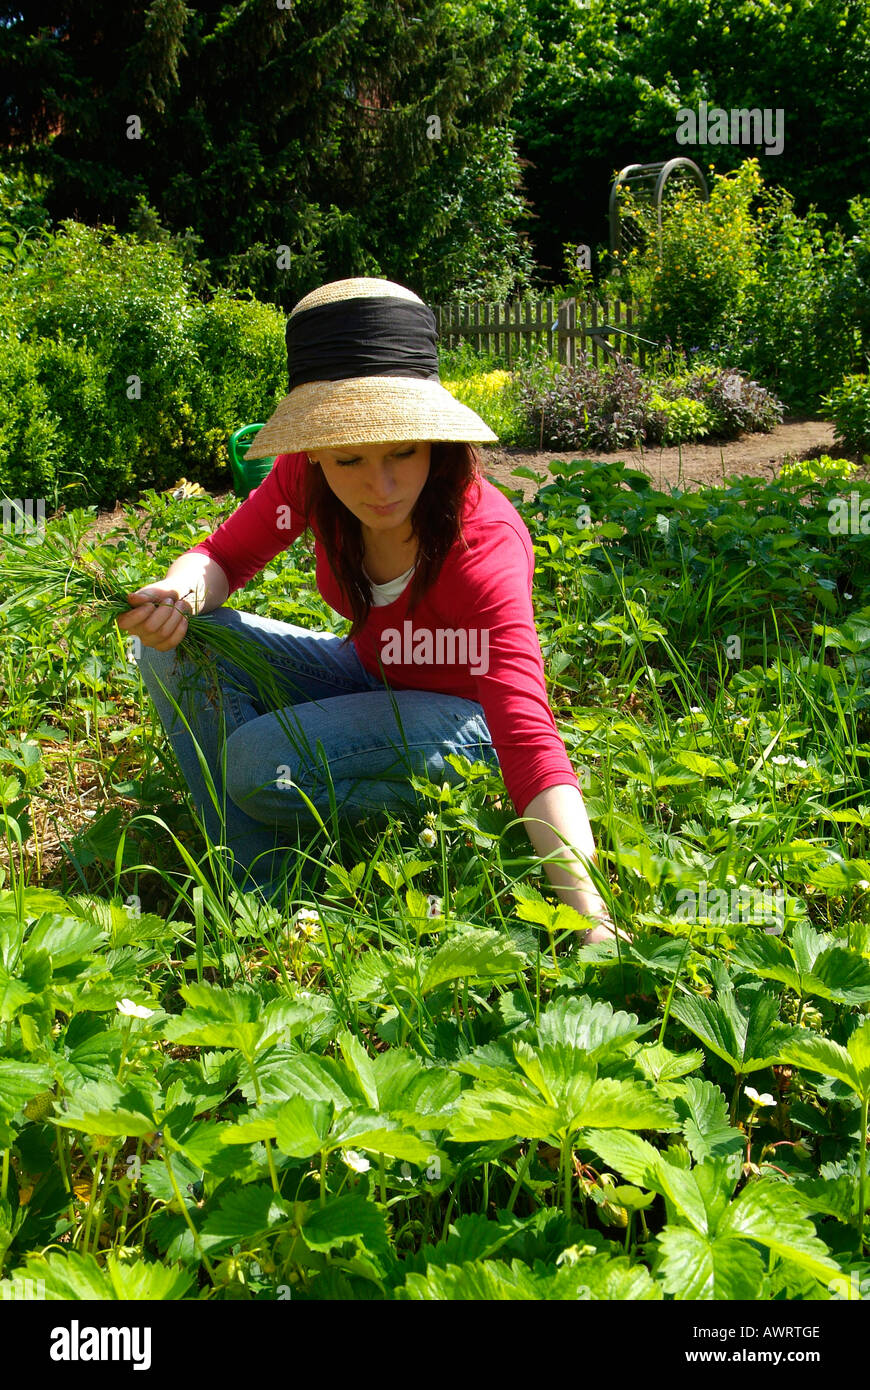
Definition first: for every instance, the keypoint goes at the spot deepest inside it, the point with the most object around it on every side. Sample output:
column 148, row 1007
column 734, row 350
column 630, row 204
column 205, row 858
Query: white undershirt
column 382, row 594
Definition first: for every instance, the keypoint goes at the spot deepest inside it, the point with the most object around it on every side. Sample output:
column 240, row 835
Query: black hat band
column 362, row 336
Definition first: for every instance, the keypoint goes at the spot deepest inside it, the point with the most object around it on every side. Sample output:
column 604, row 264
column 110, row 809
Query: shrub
column 817, row 473
column 748, row 283
column 118, row 375
column 585, row 408
column 682, row 419
column 733, row 402
column 707, row 262
column 797, row 331
column 849, row 404
column 618, row 407
column 493, row 395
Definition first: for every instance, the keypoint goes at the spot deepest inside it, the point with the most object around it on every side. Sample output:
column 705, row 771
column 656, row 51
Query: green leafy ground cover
column 408, row 1081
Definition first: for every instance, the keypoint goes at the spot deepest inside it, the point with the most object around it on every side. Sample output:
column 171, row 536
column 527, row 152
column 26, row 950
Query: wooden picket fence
column 602, row 330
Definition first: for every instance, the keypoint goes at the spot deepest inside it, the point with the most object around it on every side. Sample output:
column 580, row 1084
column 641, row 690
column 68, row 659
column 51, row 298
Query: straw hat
column 363, row 369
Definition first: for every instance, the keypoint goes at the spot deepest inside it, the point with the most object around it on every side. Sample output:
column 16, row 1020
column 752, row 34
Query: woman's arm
column 201, row 579
column 561, row 809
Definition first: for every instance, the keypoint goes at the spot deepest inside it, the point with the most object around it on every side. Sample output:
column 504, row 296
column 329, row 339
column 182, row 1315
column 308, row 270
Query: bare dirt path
column 690, row 465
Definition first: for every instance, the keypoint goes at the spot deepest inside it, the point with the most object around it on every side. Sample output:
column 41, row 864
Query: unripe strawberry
column 40, row 1106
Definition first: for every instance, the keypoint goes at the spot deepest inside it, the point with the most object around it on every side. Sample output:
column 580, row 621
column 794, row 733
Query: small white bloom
column 695, row 709
column 355, row 1161
column 765, row 1099
column 307, row 922
column 433, row 908
column 131, row 1010
column 428, row 838
column 780, row 758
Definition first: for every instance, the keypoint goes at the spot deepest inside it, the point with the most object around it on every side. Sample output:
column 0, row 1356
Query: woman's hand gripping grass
column 157, row 615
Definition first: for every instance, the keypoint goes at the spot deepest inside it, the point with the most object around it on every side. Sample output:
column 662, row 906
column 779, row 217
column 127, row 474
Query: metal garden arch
column 651, row 178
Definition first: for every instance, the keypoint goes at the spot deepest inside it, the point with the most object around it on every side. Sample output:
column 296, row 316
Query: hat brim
column 367, row 410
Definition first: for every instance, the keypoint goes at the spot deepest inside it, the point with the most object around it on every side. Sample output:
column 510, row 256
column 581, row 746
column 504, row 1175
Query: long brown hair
column 436, row 521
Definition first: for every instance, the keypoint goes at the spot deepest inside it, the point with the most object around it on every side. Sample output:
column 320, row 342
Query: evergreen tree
column 365, row 138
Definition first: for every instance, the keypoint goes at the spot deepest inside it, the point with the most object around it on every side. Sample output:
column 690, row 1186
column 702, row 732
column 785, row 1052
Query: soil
column 689, row 465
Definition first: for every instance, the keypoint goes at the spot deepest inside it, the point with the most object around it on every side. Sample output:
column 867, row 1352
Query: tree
column 614, row 75
column 365, row 138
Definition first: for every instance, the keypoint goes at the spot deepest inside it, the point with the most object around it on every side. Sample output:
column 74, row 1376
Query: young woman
column 432, row 566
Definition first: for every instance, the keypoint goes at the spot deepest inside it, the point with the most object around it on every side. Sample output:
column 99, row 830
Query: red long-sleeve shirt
column 482, row 596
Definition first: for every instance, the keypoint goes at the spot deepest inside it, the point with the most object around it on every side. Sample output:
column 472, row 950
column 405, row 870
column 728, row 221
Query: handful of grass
column 61, row 574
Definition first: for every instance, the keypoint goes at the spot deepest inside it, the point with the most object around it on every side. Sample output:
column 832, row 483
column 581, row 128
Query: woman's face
column 366, row 477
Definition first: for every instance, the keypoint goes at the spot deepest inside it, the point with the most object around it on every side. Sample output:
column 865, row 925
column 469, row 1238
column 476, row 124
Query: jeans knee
column 249, row 785
column 150, row 659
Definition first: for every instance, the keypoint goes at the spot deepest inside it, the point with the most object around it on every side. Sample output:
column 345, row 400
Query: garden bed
column 692, row 465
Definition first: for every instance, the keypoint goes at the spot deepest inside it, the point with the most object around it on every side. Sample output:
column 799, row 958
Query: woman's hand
column 157, row 616
column 605, row 931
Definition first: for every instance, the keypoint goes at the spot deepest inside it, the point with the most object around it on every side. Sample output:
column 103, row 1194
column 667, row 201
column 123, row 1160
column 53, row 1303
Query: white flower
column 131, row 1010
column 780, row 758
column 428, row 838
column 433, row 908
column 756, row 1099
column 307, row 922
column 355, row 1161
column 695, row 709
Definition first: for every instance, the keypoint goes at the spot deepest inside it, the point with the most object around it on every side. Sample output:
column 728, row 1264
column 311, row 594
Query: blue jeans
column 339, row 724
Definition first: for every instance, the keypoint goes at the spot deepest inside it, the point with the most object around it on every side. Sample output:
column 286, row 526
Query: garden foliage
column 415, row 1084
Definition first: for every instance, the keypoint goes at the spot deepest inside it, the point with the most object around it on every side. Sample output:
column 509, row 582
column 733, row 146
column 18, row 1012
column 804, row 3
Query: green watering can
column 247, row 473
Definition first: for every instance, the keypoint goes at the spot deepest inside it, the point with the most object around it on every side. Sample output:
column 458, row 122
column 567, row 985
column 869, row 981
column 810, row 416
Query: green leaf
column 635, row 1158
column 858, row 1048
column 476, row 1281
column 351, row 1218
column 108, row 1108
column 694, row 1265
column 813, row 1053
column 658, row 1063
column 302, row 1126
column 767, row 1211
column 68, row 940
column 381, row 1135
column 242, row 1215
column 704, row 766
column 812, row 963
column 613, row 1104
column 19, row 1083
column 322, row 1078
column 704, row 1112
column 236, row 1018
column 74, row 1278
column 14, row 994
column 567, row 1098
column 601, row 1277
column 828, row 1196
column 589, row 1025
column 378, row 974
column 745, row 1034
column 481, row 954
